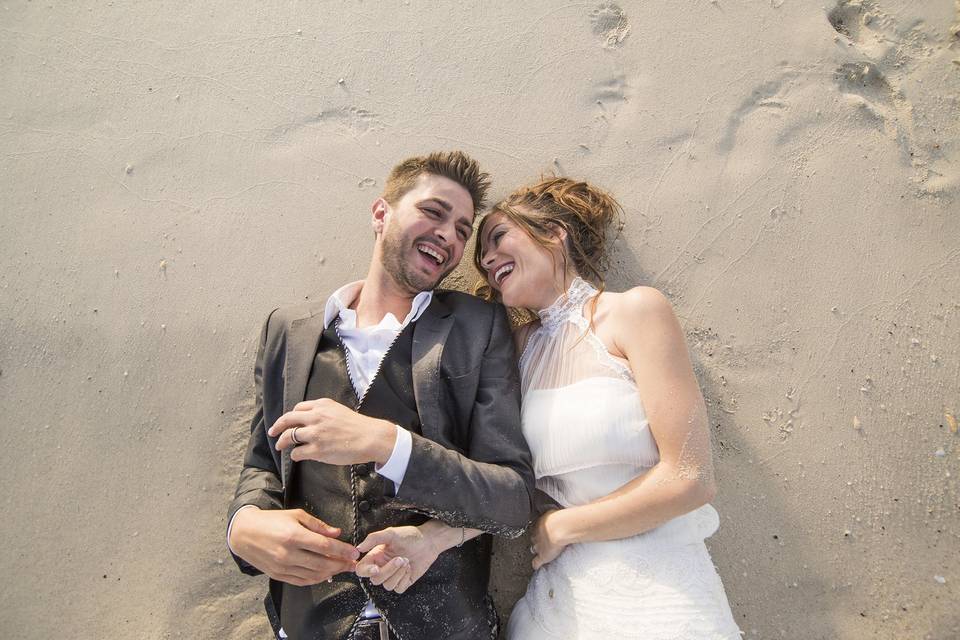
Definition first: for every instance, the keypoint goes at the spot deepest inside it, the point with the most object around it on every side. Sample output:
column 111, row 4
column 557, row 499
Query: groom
column 393, row 403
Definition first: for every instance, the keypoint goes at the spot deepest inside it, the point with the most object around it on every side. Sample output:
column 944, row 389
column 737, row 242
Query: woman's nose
column 486, row 260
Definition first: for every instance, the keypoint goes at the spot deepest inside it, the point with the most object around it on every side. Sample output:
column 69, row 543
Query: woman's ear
column 558, row 231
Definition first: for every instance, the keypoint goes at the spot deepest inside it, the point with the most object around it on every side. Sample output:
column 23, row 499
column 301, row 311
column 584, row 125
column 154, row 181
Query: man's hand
column 332, row 433
column 290, row 545
column 396, row 557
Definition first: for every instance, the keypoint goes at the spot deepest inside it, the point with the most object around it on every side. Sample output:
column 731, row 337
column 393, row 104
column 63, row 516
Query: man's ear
column 379, row 210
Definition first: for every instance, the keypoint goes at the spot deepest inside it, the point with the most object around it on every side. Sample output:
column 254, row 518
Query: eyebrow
column 446, row 206
column 493, row 228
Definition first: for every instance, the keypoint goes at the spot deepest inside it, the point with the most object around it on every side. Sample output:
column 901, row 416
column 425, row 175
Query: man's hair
column 455, row 165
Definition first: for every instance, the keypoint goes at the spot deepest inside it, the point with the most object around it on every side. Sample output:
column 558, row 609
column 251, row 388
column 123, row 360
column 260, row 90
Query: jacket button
column 363, row 469
column 364, row 506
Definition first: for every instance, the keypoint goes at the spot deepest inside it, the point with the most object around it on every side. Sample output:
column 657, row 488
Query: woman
column 617, row 428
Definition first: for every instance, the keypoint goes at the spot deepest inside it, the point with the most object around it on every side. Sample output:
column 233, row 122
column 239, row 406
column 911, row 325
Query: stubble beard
column 395, row 263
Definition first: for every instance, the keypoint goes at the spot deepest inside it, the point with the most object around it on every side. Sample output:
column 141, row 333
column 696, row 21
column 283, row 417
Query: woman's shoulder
column 633, row 304
column 635, row 318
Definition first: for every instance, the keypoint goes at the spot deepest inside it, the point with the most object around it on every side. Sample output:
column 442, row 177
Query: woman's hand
column 396, row 557
column 546, row 538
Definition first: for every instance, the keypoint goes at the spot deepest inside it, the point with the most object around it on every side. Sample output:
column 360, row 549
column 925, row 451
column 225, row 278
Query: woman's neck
column 555, row 292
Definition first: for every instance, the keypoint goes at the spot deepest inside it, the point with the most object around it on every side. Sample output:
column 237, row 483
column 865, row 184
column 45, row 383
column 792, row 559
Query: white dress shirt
column 366, row 347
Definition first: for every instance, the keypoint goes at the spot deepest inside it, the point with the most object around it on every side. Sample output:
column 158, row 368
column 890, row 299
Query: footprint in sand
column 610, row 23
column 866, row 89
column 767, row 95
column 356, row 120
column 846, row 18
column 893, row 52
column 864, row 79
column 613, row 90
column 879, row 36
column 608, row 97
column 875, row 37
column 865, row 23
column 353, row 121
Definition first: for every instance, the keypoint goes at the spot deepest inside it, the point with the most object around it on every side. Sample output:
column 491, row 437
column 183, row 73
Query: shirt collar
column 339, row 303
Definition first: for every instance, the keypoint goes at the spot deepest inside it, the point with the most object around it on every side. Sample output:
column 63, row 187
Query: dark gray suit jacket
column 470, row 467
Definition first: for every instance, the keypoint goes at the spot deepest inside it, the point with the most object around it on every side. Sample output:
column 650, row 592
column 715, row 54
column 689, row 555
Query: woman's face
column 526, row 273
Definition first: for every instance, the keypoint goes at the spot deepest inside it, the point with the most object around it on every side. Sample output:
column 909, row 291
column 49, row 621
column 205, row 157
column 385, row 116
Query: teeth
column 502, row 272
column 430, row 252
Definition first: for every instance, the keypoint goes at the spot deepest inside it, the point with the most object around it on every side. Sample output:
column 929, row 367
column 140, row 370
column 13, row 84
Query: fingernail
column 374, row 571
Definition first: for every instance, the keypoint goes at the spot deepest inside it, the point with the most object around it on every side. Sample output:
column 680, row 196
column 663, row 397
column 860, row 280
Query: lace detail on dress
column 604, row 356
column 568, row 306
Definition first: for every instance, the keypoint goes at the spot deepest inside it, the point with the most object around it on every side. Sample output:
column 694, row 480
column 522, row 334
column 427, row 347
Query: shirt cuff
column 396, row 465
column 230, row 526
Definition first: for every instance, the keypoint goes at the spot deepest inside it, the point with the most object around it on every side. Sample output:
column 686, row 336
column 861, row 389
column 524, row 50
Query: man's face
column 424, row 234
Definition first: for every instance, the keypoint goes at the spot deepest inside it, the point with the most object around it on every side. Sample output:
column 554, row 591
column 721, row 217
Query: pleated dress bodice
column 583, row 416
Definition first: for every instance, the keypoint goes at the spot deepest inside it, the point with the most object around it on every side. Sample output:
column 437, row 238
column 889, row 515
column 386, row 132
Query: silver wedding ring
column 293, row 436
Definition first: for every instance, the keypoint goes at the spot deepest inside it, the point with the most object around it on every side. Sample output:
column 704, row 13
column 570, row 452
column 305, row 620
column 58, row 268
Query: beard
column 396, row 263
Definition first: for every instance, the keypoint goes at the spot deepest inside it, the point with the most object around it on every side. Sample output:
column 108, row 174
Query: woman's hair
column 585, row 212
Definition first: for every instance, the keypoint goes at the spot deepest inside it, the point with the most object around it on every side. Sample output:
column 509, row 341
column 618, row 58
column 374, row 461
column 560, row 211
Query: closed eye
column 493, row 240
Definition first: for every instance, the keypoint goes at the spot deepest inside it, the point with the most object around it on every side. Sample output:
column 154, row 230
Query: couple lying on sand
column 397, row 424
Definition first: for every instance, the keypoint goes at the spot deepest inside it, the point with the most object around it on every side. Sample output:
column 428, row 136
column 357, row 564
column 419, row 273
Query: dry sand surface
column 172, row 171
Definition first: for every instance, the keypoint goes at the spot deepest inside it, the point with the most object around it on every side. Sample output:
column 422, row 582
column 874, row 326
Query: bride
column 617, row 428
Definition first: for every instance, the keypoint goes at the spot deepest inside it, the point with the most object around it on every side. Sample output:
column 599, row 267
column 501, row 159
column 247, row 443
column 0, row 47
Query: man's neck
column 379, row 296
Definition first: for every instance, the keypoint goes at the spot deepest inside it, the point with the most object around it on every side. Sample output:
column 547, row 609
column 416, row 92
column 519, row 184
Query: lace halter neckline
column 567, row 305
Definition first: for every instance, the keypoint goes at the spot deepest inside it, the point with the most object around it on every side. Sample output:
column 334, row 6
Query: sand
column 173, row 171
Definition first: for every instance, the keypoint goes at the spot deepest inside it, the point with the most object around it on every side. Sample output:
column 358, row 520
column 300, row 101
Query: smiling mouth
column 502, row 273
column 432, row 253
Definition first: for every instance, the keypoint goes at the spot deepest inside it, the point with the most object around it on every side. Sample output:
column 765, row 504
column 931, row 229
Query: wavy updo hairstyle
column 585, row 212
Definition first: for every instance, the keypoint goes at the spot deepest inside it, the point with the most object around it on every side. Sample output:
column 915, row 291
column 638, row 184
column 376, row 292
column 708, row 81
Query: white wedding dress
column 589, row 435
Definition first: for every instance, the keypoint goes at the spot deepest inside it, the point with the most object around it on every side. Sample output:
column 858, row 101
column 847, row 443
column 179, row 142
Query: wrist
column 237, row 526
column 384, row 440
column 440, row 536
column 560, row 529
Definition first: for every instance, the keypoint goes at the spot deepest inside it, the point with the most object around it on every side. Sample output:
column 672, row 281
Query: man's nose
column 446, row 232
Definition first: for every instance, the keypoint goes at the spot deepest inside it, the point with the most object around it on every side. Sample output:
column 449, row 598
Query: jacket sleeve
column 490, row 488
column 259, row 483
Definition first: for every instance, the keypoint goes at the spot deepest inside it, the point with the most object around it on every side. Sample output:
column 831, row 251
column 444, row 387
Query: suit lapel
column 302, row 340
column 429, row 336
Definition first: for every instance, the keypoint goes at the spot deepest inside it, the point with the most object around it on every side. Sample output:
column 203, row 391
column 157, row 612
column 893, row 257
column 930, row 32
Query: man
column 390, row 405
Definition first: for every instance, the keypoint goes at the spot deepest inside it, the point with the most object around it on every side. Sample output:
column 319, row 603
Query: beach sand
column 173, row 171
